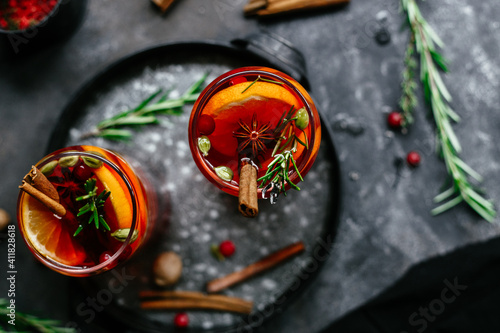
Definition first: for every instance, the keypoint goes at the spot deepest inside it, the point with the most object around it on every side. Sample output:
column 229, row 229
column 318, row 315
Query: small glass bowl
column 58, row 22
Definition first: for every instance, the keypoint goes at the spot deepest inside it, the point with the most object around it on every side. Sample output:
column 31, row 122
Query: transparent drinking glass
column 95, row 233
column 236, row 118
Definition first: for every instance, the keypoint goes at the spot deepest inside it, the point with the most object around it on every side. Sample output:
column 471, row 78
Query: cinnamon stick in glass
column 38, row 180
column 247, row 197
column 38, row 186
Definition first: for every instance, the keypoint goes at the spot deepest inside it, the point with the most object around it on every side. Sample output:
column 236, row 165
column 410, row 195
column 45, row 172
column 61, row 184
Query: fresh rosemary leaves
column 94, row 202
column 29, row 323
column 277, row 173
column 437, row 95
column 408, row 101
column 260, row 78
column 145, row 113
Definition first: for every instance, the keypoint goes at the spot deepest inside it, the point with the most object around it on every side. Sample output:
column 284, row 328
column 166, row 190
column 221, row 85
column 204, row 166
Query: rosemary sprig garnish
column 145, row 113
column 94, row 202
column 408, row 101
column 259, row 78
column 438, row 96
column 278, row 171
column 29, row 323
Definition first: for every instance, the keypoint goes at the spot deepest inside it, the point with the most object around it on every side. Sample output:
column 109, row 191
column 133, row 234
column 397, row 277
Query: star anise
column 252, row 140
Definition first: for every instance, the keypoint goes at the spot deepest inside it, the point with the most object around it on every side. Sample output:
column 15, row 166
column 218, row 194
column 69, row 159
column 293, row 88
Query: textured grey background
column 384, row 229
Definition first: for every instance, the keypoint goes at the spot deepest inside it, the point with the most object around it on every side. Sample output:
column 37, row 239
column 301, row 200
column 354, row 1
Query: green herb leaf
column 29, row 323
column 145, row 113
column 94, row 202
column 260, row 78
column 424, row 40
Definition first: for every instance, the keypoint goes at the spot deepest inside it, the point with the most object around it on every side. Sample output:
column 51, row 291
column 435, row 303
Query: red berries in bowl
column 23, row 14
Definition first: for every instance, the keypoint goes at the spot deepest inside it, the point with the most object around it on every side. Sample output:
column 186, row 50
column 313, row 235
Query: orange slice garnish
column 48, row 234
column 239, row 92
column 119, row 201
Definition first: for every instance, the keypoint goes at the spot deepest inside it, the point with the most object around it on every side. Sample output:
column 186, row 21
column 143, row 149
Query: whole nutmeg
column 4, row 219
column 167, row 269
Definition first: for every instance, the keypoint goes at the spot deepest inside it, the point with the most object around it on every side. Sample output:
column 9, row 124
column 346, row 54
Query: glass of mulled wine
column 83, row 209
column 258, row 116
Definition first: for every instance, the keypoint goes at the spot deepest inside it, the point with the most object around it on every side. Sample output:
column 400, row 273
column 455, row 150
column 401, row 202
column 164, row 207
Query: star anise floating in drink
column 253, row 140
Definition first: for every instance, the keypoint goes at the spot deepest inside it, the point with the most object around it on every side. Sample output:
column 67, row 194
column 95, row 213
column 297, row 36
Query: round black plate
column 200, row 214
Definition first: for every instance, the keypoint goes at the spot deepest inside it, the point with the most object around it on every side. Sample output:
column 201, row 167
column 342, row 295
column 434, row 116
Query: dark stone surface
column 385, row 228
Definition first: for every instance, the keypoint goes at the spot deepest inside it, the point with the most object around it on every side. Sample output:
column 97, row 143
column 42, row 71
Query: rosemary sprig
column 277, row 173
column 145, row 113
column 94, row 202
column 260, row 78
column 438, row 96
column 25, row 322
column 408, row 101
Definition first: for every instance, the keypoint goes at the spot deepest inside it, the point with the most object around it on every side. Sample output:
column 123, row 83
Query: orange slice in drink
column 48, row 234
column 119, row 200
column 239, row 92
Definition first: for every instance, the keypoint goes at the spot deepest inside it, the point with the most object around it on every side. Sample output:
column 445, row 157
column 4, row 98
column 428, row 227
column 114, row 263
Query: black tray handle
column 278, row 51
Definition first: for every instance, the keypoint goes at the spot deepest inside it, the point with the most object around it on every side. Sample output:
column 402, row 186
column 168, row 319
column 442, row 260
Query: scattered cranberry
column 227, row 248
column 413, row 158
column 206, row 124
column 105, row 256
column 181, row 319
column 395, row 119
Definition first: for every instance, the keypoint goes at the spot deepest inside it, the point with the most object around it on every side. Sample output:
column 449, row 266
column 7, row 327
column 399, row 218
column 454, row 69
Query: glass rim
column 74, row 270
column 211, row 89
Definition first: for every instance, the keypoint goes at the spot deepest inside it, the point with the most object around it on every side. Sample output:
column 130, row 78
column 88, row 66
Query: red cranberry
column 236, row 80
column 395, row 119
column 105, row 256
column 413, row 158
column 206, row 124
column 181, row 319
column 227, row 248
column 81, row 171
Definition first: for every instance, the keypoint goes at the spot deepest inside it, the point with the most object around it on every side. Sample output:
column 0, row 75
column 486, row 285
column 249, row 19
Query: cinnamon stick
column 188, row 300
column 253, row 6
column 163, row 4
column 260, row 266
column 38, row 180
column 285, row 6
column 38, row 186
column 247, row 196
column 54, row 206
